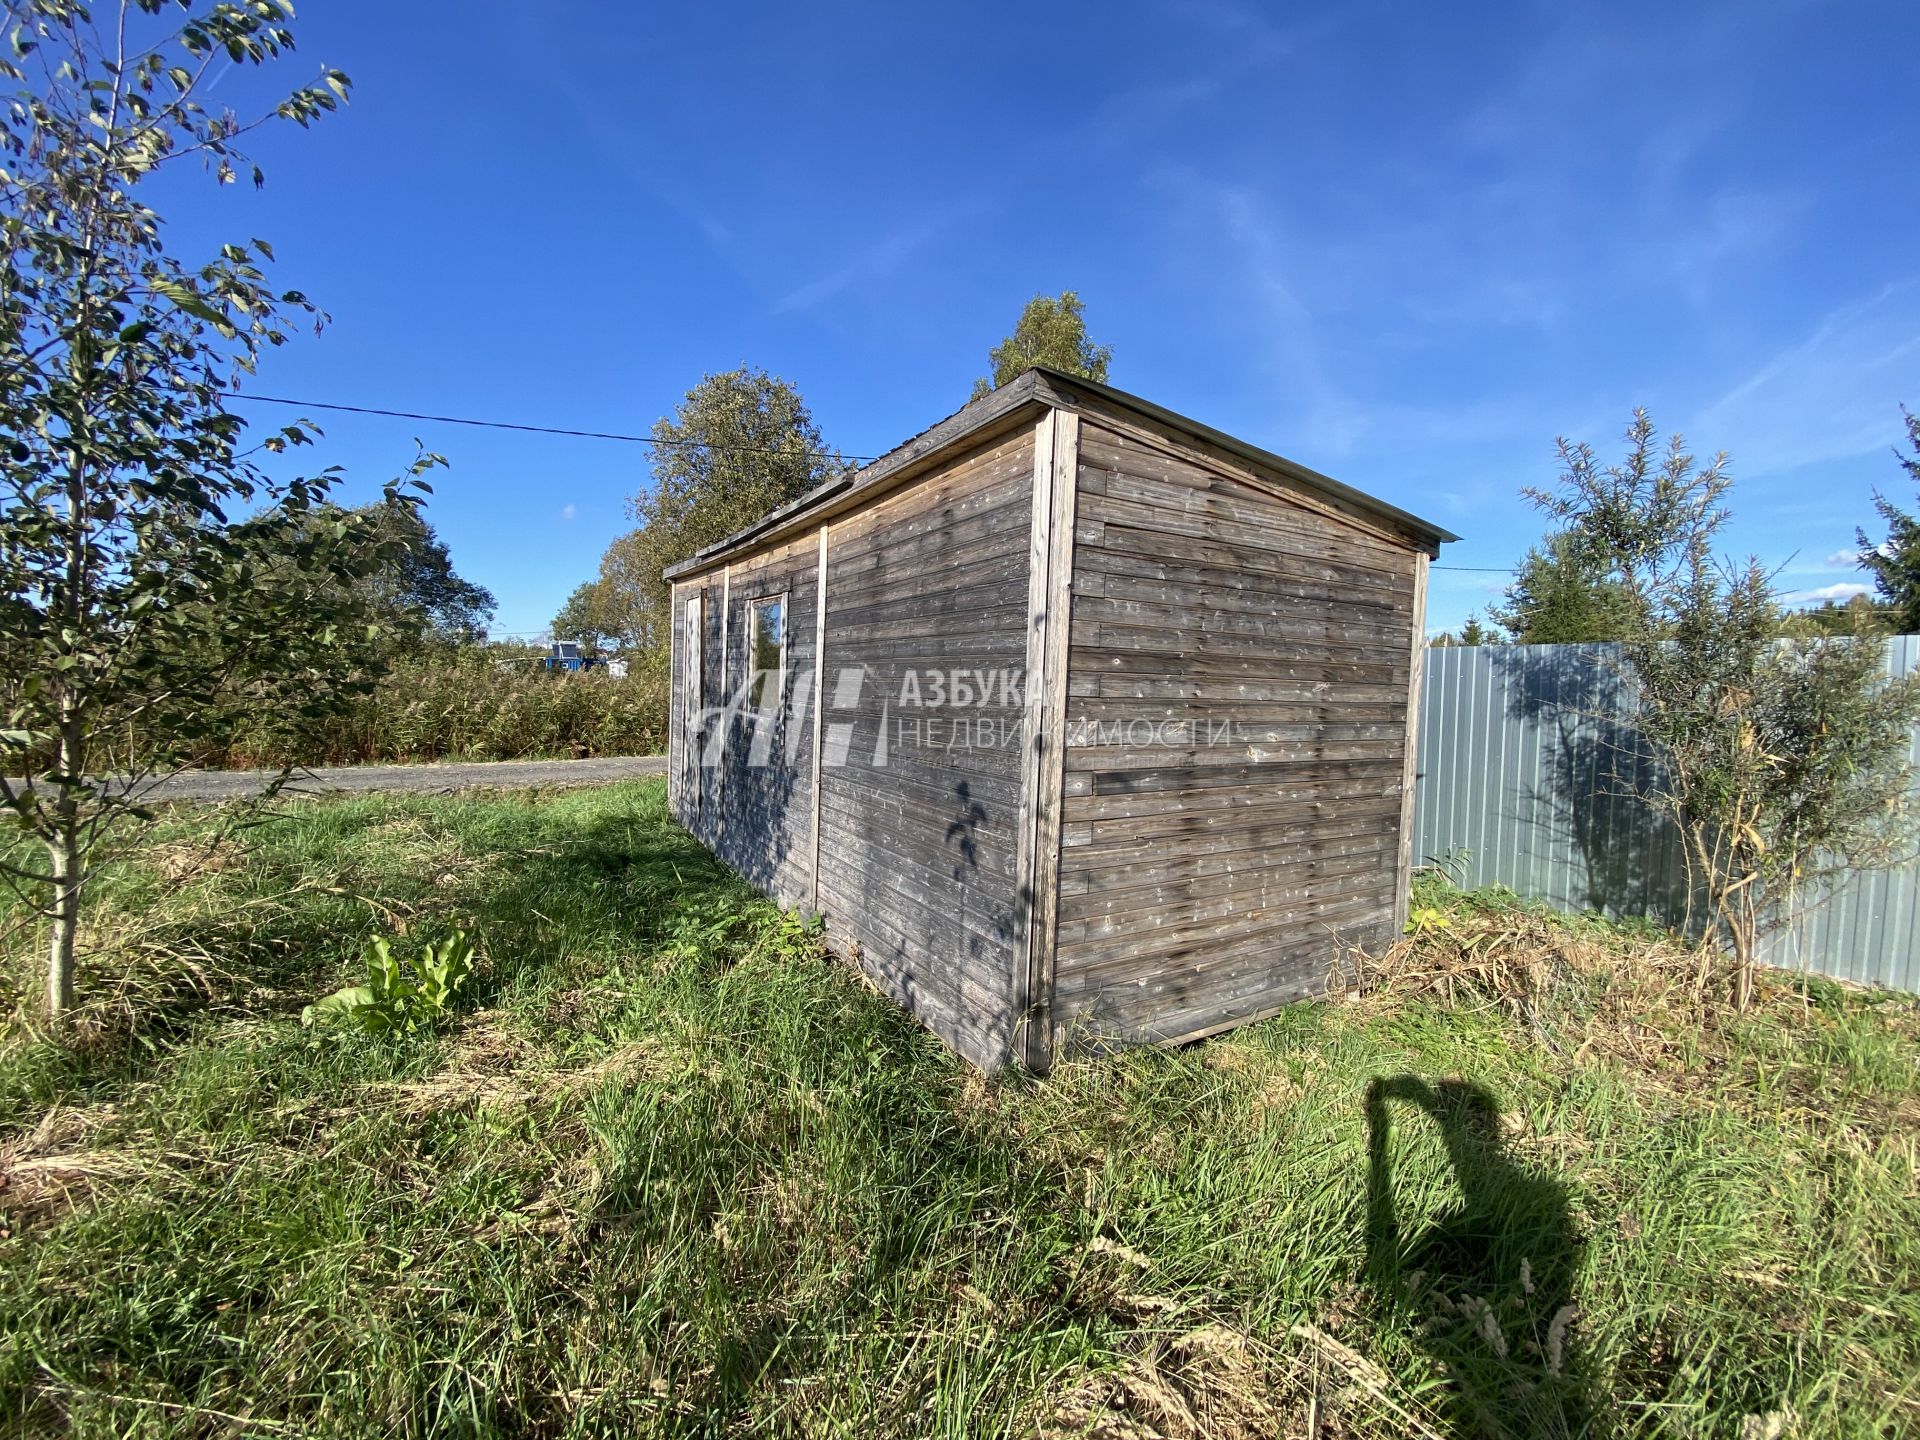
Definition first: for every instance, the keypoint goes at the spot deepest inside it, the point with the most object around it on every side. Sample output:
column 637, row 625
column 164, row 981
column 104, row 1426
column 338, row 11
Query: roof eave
column 1039, row 386
column 1427, row 530
column 971, row 419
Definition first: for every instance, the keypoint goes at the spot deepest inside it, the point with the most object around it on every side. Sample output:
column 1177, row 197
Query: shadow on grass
column 567, row 891
column 1488, row 1286
column 793, row 1189
column 582, row 895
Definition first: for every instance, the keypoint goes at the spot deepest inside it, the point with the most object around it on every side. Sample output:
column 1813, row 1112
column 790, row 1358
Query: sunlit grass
column 671, row 1171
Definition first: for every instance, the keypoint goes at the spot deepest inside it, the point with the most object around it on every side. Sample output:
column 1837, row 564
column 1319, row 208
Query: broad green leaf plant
column 151, row 568
column 402, row 997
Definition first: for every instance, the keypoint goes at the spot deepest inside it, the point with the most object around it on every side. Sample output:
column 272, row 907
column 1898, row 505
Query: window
column 767, row 651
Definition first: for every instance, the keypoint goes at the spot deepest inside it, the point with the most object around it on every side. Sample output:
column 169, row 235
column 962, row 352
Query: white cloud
column 567, row 512
column 878, row 260
column 1844, row 559
column 719, row 234
column 1727, row 226
column 1825, row 593
column 1833, row 395
column 1324, row 415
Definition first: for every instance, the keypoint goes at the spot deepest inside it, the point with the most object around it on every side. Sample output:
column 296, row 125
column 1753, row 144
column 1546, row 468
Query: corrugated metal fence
column 1525, row 782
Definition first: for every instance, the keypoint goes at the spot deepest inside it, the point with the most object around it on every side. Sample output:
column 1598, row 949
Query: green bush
column 463, row 706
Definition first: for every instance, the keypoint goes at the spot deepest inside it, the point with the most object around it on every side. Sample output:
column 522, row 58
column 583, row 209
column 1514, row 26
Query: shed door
column 693, row 742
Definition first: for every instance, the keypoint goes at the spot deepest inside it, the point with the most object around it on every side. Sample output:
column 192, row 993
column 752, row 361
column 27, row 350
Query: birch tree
column 1051, row 332
column 151, row 568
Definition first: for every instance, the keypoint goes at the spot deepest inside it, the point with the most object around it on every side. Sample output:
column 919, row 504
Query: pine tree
column 1894, row 562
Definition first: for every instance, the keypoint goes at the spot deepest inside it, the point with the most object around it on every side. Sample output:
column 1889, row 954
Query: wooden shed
column 1077, row 721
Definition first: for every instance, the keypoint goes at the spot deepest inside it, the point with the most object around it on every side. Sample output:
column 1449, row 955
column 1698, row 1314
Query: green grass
column 671, row 1171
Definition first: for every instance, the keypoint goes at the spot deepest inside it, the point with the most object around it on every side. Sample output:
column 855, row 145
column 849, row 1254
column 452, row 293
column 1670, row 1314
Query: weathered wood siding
column 927, row 593
column 1209, row 874
column 919, row 801
column 1214, row 811
column 753, row 808
column 687, row 736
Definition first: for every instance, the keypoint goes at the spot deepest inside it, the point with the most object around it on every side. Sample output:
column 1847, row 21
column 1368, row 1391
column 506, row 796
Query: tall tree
column 1782, row 763
column 1051, row 331
column 608, row 614
column 418, row 589
column 1857, row 615
column 1562, row 597
column 136, row 595
column 742, row 443
column 1894, row 562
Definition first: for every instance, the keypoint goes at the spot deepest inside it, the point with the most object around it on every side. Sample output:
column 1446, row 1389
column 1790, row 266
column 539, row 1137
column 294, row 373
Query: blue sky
column 1407, row 245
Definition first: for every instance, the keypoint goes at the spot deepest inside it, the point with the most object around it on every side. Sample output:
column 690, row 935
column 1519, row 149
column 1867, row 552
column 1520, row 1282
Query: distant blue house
column 565, row 655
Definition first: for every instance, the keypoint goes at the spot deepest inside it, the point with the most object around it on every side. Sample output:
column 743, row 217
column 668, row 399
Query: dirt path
column 359, row 779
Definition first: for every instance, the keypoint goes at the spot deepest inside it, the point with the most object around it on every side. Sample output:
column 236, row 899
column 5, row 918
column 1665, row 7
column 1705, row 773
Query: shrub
column 456, row 705
column 1781, row 764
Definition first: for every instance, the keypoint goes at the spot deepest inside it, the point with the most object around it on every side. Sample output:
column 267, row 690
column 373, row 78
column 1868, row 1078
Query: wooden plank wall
column 757, row 817
column 917, row 831
column 685, row 786
column 1209, row 882
column 676, row 681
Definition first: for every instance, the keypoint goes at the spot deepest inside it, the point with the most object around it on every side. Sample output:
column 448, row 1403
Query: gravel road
column 361, row 779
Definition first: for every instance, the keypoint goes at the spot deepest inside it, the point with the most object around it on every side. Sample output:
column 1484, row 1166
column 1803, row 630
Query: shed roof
column 1035, row 389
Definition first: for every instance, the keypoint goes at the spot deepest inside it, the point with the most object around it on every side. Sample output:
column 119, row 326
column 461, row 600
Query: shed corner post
column 1403, row 893
column 819, row 697
column 1056, row 480
column 721, row 793
column 676, row 680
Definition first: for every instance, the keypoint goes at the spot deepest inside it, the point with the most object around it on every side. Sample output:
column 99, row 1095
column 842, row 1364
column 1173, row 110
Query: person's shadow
column 1487, row 1286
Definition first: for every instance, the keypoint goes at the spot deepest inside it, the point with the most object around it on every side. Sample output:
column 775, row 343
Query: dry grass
column 1636, row 996
column 490, row 1062
column 667, row 1175
column 50, row 1170
column 1207, row 1383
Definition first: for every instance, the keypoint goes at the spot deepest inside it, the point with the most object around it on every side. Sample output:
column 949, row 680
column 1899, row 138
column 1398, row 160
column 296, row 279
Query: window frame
column 755, row 607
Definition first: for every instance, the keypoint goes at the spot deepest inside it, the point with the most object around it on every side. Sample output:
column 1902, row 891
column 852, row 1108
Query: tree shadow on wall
column 1488, row 1285
column 1595, row 777
column 761, row 768
column 963, row 835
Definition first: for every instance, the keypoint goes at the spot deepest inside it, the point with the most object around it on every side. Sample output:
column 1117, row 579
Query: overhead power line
column 511, row 425
column 613, row 435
